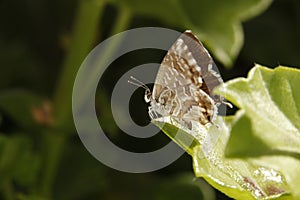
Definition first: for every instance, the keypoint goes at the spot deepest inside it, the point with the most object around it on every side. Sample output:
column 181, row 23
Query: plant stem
column 54, row 143
column 123, row 20
column 122, row 23
column 83, row 37
column 84, row 34
column 8, row 192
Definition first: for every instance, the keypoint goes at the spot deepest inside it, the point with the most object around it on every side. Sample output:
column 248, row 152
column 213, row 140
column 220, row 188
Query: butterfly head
column 148, row 94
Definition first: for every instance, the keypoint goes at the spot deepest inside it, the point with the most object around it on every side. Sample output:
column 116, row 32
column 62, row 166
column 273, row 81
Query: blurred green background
column 42, row 45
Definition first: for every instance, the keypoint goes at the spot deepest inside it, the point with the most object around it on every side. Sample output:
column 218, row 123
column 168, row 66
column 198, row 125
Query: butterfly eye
column 147, row 96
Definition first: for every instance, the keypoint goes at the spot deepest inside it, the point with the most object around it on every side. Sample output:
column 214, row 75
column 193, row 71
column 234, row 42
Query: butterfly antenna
column 138, row 83
column 227, row 104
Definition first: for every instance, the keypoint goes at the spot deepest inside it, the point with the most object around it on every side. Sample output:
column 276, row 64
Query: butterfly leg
column 152, row 113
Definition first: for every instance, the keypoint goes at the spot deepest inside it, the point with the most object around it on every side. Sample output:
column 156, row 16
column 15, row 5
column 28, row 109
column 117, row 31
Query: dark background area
column 34, row 41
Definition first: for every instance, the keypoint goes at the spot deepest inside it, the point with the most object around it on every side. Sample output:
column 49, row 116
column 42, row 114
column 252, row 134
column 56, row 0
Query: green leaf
column 262, row 139
column 270, row 100
column 216, row 23
column 18, row 160
column 237, row 178
column 234, row 146
column 18, row 104
column 90, row 175
column 178, row 133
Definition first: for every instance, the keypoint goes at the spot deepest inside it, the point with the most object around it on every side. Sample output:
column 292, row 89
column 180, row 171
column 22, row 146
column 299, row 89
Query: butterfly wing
column 190, row 63
column 184, row 80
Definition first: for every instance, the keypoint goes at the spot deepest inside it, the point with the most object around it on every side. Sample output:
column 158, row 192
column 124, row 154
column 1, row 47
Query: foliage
column 42, row 46
column 255, row 153
column 217, row 23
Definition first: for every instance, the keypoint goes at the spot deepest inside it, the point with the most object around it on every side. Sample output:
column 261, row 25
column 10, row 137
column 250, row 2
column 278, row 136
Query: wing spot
column 192, row 61
column 200, row 80
column 171, row 71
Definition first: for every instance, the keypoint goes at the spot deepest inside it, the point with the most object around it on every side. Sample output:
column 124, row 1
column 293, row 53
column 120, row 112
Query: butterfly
column 184, row 83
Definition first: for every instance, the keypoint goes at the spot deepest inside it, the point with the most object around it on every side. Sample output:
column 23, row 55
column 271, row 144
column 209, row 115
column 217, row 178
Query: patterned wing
column 182, row 84
column 190, row 63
